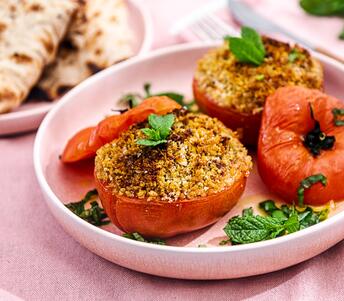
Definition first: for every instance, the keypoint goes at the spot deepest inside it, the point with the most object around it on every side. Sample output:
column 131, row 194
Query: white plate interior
column 169, row 69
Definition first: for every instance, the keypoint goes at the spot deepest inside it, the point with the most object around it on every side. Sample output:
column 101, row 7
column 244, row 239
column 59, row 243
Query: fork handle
column 327, row 53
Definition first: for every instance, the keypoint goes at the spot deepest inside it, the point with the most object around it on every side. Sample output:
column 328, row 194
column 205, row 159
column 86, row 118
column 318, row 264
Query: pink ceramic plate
column 29, row 115
column 167, row 69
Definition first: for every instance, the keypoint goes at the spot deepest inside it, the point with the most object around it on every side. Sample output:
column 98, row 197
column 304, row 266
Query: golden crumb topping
column 201, row 157
column 244, row 87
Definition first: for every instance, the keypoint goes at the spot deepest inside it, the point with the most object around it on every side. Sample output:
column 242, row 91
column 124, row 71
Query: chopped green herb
column 307, row 183
column 280, row 221
column 249, row 48
column 224, row 242
column 336, row 114
column 159, row 131
column 341, row 35
column 316, row 140
column 95, row 215
column 138, row 237
column 134, row 99
column 260, row 77
column 247, row 211
column 293, row 55
column 268, row 206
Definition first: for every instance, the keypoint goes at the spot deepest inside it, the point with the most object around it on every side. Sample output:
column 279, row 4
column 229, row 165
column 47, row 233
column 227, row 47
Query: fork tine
column 199, row 32
column 212, row 31
column 219, row 32
column 223, row 27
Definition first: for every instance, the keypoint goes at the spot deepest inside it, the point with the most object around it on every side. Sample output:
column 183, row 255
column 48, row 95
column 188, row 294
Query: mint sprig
column 279, row 221
column 159, row 131
column 249, row 48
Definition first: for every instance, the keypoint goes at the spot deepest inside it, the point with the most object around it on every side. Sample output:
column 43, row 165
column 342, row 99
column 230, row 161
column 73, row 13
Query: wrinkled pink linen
column 39, row 261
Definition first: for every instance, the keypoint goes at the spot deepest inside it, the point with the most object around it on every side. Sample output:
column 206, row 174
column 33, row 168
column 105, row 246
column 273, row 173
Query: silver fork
column 211, row 27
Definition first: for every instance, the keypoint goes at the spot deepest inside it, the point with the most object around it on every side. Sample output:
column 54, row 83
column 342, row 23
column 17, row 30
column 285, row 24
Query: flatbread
column 30, row 31
column 99, row 36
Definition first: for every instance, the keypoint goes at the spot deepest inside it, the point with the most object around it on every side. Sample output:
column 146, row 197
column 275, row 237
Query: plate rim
column 145, row 47
column 55, row 201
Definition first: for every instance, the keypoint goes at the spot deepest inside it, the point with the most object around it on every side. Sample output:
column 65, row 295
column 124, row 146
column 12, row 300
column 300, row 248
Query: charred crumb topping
column 244, row 87
column 201, row 157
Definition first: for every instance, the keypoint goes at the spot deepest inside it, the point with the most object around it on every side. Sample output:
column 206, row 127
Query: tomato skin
column 84, row 144
column 249, row 123
column 283, row 160
column 163, row 219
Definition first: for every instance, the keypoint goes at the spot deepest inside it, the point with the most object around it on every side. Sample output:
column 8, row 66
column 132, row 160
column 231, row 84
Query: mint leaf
column 287, row 219
column 292, row 224
column 249, row 48
column 248, row 229
column 161, row 124
column 160, row 129
column 245, row 51
column 151, row 134
column 147, row 142
column 323, row 7
column 252, row 36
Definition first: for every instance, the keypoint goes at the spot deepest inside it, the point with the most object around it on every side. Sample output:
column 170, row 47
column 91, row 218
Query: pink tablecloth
column 39, row 261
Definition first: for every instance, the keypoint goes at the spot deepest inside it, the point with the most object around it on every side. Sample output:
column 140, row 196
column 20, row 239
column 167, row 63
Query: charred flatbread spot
column 98, row 51
column 36, row 7
column 39, row 94
column 93, row 67
column 7, row 95
column 63, row 89
column 21, row 58
column 3, row 26
column 48, row 45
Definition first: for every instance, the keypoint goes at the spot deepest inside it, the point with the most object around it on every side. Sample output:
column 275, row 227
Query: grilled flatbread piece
column 99, row 36
column 30, row 31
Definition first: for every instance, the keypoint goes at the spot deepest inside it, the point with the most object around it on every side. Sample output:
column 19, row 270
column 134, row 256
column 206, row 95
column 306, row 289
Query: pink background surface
column 39, row 261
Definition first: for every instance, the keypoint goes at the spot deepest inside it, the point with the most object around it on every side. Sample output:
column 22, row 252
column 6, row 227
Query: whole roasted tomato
column 163, row 219
column 301, row 146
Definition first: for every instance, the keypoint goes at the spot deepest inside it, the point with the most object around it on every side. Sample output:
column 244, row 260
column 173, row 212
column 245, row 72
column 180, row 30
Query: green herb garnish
column 316, row 140
column 307, row 183
column 249, row 48
column 159, row 131
column 95, row 215
column 323, row 7
column 341, row 35
column 295, row 55
column 279, row 221
column 138, row 237
column 336, row 114
column 134, row 99
column 260, row 77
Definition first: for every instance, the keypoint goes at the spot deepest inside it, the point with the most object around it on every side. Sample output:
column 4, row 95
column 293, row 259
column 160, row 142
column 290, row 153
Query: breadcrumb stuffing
column 201, row 157
column 244, row 87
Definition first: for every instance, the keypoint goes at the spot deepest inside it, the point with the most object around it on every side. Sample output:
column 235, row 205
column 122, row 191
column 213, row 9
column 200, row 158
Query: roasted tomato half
column 246, row 123
column 301, row 136
column 163, row 219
